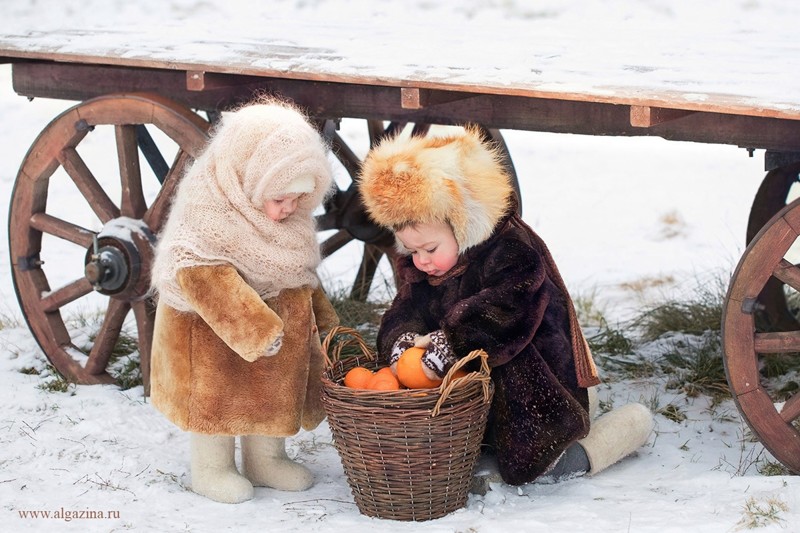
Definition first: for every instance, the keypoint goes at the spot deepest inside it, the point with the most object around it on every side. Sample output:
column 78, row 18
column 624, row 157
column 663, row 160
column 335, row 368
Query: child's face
column 281, row 207
column 433, row 247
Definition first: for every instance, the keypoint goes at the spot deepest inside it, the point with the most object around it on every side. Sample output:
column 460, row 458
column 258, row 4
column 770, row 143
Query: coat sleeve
column 324, row 312
column 504, row 315
column 231, row 308
column 403, row 315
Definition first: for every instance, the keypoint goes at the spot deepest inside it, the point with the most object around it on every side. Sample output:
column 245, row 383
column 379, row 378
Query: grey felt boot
column 265, row 464
column 214, row 473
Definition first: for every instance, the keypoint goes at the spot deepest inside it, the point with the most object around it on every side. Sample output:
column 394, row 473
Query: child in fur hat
column 472, row 274
column 236, row 347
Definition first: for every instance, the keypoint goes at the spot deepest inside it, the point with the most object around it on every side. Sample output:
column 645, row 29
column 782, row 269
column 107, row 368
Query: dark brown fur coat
column 207, row 375
column 505, row 303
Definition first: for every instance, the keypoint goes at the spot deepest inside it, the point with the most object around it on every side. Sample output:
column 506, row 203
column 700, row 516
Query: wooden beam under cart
column 75, row 81
column 643, row 116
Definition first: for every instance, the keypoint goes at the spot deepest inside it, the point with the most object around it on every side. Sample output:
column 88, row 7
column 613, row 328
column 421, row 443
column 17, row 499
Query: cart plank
column 656, row 71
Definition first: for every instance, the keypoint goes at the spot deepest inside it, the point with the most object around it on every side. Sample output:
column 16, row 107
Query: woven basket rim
column 336, row 367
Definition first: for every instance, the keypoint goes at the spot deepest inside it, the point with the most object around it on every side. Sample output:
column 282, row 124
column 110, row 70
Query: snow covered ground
column 628, row 220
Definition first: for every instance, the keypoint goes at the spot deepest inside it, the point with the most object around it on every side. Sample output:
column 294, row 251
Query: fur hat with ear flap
column 458, row 179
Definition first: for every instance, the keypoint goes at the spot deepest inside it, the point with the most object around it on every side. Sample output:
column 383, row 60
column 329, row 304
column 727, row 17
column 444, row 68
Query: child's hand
column 438, row 354
column 275, row 347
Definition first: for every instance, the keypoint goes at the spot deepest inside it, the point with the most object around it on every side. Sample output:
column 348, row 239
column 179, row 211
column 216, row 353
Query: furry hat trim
column 458, row 179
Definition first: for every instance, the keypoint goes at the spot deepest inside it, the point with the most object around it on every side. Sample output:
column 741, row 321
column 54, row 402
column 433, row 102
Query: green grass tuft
column 672, row 412
column 697, row 367
column 772, row 468
column 610, row 342
column 696, row 316
column 53, row 381
column 364, row 317
column 124, row 363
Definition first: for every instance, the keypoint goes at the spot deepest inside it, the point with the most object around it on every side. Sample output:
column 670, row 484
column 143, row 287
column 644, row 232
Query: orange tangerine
column 358, row 377
column 409, row 370
column 383, row 381
column 385, row 370
column 460, row 373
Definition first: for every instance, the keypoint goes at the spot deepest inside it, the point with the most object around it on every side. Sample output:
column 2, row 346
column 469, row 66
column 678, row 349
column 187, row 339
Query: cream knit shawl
column 255, row 153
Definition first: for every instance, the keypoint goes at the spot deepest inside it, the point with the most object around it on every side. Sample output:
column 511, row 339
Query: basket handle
column 333, row 354
column 450, row 381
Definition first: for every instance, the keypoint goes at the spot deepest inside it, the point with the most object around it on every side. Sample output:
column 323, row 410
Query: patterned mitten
column 439, row 356
column 403, row 343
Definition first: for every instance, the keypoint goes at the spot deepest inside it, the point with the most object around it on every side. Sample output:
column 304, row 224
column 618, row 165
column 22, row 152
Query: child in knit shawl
column 236, row 348
column 471, row 274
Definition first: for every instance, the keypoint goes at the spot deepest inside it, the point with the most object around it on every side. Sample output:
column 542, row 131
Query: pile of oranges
column 364, row 378
column 409, row 375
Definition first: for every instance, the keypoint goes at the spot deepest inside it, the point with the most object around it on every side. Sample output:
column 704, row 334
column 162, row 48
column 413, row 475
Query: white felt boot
column 617, row 434
column 265, row 464
column 214, row 473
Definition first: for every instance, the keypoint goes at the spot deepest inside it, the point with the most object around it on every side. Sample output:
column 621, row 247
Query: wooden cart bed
column 612, row 82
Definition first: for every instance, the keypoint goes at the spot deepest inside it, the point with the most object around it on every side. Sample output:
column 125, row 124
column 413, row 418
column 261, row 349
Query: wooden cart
column 144, row 90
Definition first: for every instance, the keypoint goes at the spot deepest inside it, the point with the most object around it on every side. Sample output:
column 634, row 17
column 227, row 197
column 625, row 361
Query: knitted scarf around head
column 258, row 152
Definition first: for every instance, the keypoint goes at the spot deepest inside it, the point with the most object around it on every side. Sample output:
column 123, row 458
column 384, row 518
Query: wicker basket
column 408, row 454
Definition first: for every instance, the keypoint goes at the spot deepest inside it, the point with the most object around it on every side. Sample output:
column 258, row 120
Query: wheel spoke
column 376, row 132
column 366, row 272
column 393, row 129
column 106, row 339
column 327, row 221
column 66, row 294
column 420, row 130
column 346, row 156
column 133, row 204
column 788, row 273
column 145, row 314
column 62, row 229
column 777, row 342
column 791, row 409
column 151, row 153
column 95, row 195
column 156, row 214
column 334, row 243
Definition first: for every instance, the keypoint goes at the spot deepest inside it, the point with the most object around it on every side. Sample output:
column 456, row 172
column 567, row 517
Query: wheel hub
column 353, row 218
column 107, row 269
column 359, row 225
column 118, row 263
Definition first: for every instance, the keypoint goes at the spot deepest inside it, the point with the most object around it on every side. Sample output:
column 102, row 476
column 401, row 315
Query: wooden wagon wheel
column 345, row 212
column 744, row 343
column 773, row 194
column 107, row 266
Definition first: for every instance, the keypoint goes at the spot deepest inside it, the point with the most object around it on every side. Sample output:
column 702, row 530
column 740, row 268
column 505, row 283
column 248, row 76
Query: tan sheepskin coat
column 207, row 373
